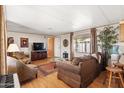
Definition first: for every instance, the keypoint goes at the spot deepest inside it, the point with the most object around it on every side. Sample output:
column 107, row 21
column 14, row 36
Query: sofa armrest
column 89, row 71
column 68, row 67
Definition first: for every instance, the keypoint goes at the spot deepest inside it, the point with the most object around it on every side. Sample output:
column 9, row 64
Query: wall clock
column 65, row 42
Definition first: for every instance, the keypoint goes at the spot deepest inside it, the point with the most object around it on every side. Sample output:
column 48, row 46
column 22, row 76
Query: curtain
column 3, row 54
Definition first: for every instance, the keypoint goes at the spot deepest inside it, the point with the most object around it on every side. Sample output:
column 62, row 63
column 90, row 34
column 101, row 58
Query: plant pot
column 104, row 62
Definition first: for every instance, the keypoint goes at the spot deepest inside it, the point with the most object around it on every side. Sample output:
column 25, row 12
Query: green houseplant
column 108, row 36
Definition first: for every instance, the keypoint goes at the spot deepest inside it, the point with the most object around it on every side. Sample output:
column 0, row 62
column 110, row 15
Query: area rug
column 47, row 69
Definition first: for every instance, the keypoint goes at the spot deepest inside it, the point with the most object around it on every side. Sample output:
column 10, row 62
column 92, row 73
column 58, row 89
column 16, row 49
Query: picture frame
column 10, row 40
column 24, row 42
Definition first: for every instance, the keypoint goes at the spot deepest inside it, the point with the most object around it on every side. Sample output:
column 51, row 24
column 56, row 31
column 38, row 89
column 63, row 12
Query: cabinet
column 38, row 55
column 121, row 34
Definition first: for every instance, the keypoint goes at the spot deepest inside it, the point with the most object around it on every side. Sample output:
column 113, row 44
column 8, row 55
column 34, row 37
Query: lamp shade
column 13, row 48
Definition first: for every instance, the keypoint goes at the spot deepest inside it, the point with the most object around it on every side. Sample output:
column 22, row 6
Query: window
column 83, row 45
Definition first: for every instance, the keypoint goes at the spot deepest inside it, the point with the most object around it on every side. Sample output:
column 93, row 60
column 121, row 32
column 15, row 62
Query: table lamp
column 13, row 48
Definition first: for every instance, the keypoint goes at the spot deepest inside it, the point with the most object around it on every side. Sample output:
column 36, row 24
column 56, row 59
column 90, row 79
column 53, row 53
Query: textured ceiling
column 54, row 20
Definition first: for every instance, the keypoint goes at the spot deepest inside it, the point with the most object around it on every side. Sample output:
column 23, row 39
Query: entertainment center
column 39, row 52
column 38, row 55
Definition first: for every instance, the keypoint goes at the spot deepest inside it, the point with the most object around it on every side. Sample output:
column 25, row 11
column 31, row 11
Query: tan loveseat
column 22, row 57
column 80, row 72
column 24, row 72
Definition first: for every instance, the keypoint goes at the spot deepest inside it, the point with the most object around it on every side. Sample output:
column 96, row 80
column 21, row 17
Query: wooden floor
column 51, row 81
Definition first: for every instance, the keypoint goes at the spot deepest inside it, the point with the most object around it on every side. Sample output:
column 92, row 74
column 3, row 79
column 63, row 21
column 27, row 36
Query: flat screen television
column 38, row 46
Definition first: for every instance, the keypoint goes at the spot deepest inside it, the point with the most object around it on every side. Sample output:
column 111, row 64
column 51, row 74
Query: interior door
column 50, row 52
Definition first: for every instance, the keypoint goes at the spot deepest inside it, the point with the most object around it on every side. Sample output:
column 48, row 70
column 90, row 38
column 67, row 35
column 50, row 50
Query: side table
column 112, row 71
column 120, row 65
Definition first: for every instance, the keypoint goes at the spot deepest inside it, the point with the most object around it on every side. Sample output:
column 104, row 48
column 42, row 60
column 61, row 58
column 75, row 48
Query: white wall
column 67, row 49
column 31, row 37
column 57, row 46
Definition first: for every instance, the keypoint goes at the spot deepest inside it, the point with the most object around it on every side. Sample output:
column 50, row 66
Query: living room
column 67, row 47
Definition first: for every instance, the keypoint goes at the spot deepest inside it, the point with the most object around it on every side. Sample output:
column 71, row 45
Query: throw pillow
column 76, row 61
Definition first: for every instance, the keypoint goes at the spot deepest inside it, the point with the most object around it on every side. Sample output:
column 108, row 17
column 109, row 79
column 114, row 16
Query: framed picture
column 10, row 40
column 24, row 42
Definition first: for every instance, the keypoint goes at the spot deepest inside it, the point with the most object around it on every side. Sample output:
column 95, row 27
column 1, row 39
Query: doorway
column 50, row 47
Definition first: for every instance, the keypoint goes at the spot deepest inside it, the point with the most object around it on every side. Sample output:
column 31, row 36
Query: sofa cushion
column 68, row 67
column 76, row 61
column 19, row 55
column 25, row 60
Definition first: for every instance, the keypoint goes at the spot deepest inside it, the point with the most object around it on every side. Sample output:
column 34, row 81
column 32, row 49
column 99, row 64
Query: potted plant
column 108, row 36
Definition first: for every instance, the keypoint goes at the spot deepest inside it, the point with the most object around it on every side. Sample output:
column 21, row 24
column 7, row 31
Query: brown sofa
column 24, row 72
column 80, row 72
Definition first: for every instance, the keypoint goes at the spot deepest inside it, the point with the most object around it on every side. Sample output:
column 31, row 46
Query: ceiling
column 55, row 20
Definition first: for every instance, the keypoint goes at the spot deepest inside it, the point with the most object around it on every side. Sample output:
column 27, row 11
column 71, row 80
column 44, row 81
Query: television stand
column 38, row 55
